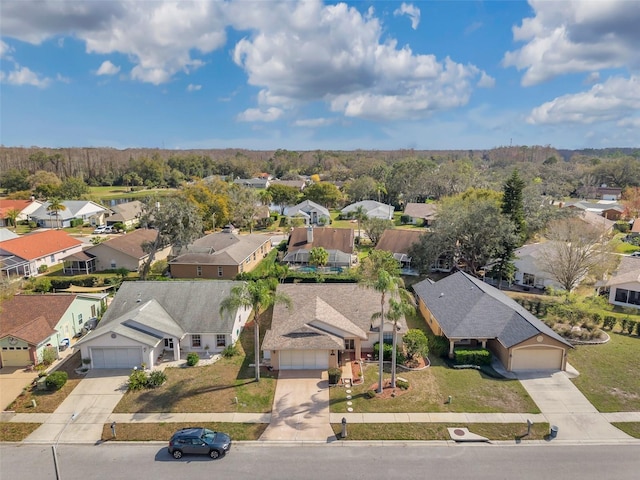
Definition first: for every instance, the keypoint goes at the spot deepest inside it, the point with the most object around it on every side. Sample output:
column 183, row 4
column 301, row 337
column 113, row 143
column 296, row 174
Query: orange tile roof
column 6, row 205
column 39, row 244
column 33, row 318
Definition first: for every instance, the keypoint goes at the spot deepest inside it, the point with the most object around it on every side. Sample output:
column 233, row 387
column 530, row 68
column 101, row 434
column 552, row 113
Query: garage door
column 15, row 356
column 124, row 357
column 537, row 358
column 304, row 359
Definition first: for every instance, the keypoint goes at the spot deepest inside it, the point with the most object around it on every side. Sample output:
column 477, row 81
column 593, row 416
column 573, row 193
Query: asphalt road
column 322, row 462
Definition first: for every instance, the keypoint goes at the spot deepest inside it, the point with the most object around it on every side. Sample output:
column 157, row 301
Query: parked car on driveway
column 109, row 229
column 199, row 441
column 99, row 229
column 635, row 254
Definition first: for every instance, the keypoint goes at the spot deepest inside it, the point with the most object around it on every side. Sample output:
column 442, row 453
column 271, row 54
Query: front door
column 168, row 343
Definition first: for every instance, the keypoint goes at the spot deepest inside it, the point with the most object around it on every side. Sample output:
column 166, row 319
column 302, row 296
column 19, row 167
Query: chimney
column 309, row 234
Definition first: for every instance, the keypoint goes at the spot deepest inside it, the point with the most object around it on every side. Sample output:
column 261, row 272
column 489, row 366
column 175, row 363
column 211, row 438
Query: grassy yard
column 139, row 432
column 16, row 432
column 211, row 388
column 630, row 428
column 471, row 390
column 46, row 401
column 438, row 431
column 609, row 373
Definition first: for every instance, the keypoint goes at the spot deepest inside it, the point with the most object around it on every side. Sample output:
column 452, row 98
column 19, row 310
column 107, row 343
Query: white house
column 312, row 213
column 528, row 272
column 87, row 211
column 624, row 285
column 372, row 208
column 150, row 321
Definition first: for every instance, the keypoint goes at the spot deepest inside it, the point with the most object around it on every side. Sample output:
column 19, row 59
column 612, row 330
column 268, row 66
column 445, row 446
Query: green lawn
column 471, row 391
column 210, row 388
column 438, row 431
column 609, row 375
column 146, row 432
column 630, row 428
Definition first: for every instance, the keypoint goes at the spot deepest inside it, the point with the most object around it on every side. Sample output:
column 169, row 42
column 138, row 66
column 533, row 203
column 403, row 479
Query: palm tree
column 360, row 214
column 12, row 215
column 55, row 206
column 397, row 310
column 258, row 295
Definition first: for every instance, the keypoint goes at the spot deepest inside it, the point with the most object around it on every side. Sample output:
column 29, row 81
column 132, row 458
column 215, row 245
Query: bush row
column 480, row 356
column 140, row 379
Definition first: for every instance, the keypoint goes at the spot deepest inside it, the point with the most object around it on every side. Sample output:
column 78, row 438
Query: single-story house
column 528, row 273
column 399, row 242
column 624, row 285
column 128, row 214
column 253, row 182
column 24, row 207
column 421, row 212
column 150, row 321
column 300, row 184
column 221, row 255
column 34, row 253
column 6, row 234
column 311, row 212
column 125, row 251
column 372, row 208
column 89, row 212
column 31, row 323
column 338, row 242
column 327, row 325
column 469, row 312
column 609, row 193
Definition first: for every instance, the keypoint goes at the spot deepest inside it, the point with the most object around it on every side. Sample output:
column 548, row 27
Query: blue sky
column 304, row 75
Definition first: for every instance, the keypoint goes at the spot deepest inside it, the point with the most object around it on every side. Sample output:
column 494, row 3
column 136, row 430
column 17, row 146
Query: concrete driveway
column 300, row 407
column 90, row 405
column 565, row 406
column 12, row 381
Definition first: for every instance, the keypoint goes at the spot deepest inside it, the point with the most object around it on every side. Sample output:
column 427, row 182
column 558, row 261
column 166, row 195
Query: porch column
column 358, row 349
column 484, row 343
column 176, row 349
column 451, row 344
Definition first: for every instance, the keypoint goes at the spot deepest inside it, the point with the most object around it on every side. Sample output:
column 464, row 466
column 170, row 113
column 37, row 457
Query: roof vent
column 441, row 295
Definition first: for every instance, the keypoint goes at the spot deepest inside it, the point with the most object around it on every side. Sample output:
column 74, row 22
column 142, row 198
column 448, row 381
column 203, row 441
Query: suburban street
column 355, row 461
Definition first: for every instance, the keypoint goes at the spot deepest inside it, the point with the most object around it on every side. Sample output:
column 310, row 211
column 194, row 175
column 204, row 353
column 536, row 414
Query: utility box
column 41, row 383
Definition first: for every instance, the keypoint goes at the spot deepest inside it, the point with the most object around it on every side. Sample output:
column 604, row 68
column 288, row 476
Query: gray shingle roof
column 466, row 307
column 193, row 305
column 222, row 249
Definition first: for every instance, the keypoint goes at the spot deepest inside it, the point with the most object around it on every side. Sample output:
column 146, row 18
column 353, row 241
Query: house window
column 220, row 271
column 254, row 256
column 221, row 341
column 634, row 298
column 113, row 264
column 199, row 271
column 387, row 337
column 52, row 258
column 528, row 279
column 621, row 295
column 349, row 344
column 196, row 341
column 79, row 319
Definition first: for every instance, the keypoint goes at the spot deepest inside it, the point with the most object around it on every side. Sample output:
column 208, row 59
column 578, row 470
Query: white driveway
column 300, row 407
column 566, row 407
column 90, row 404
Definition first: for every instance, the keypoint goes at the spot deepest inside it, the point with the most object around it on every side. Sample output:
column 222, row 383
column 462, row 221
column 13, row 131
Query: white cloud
column 308, row 51
column 5, row 50
column 576, row 36
column 593, row 77
column 410, row 11
column 24, row 76
column 614, row 100
column 631, row 122
column 314, row 122
column 270, row 114
column 486, row 81
column 193, row 88
column 107, row 68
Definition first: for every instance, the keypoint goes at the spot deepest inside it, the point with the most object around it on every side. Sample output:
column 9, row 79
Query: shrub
column 42, row 285
column 192, row 359
column 75, row 222
column 609, row 322
column 334, row 376
column 623, row 323
column 439, row 346
column 404, row 219
column 597, row 318
column 60, row 284
column 49, row 355
column 56, row 380
column 43, row 268
column 387, row 351
column 230, row 351
column 370, row 394
column 416, row 343
column 638, row 328
column 402, row 384
column 137, row 380
column 480, row 356
column 156, row 379
column 631, row 326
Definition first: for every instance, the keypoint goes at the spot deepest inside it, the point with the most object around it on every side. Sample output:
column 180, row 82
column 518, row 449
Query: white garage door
column 537, row 358
column 304, row 359
column 124, row 357
column 15, row 356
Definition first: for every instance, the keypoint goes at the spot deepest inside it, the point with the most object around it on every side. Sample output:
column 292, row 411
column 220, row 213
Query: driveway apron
column 12, row 381
column 80, row 417
column 300, row 407
column 566, row 407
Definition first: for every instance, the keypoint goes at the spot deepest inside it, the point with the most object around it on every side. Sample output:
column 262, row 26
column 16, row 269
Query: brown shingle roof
column 396, row 240
column 33, row 318
column 328, row 238
column 39, row 244
column 420, row 210
column 131, row 243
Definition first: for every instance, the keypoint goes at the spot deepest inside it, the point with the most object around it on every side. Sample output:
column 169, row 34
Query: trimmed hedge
column 56, row 380
column 480, row 356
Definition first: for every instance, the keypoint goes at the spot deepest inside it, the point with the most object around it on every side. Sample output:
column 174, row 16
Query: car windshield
column 208, row 434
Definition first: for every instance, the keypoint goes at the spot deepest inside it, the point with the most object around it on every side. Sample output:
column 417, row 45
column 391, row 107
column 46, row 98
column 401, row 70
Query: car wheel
column 177, row 454
column 214, row 454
